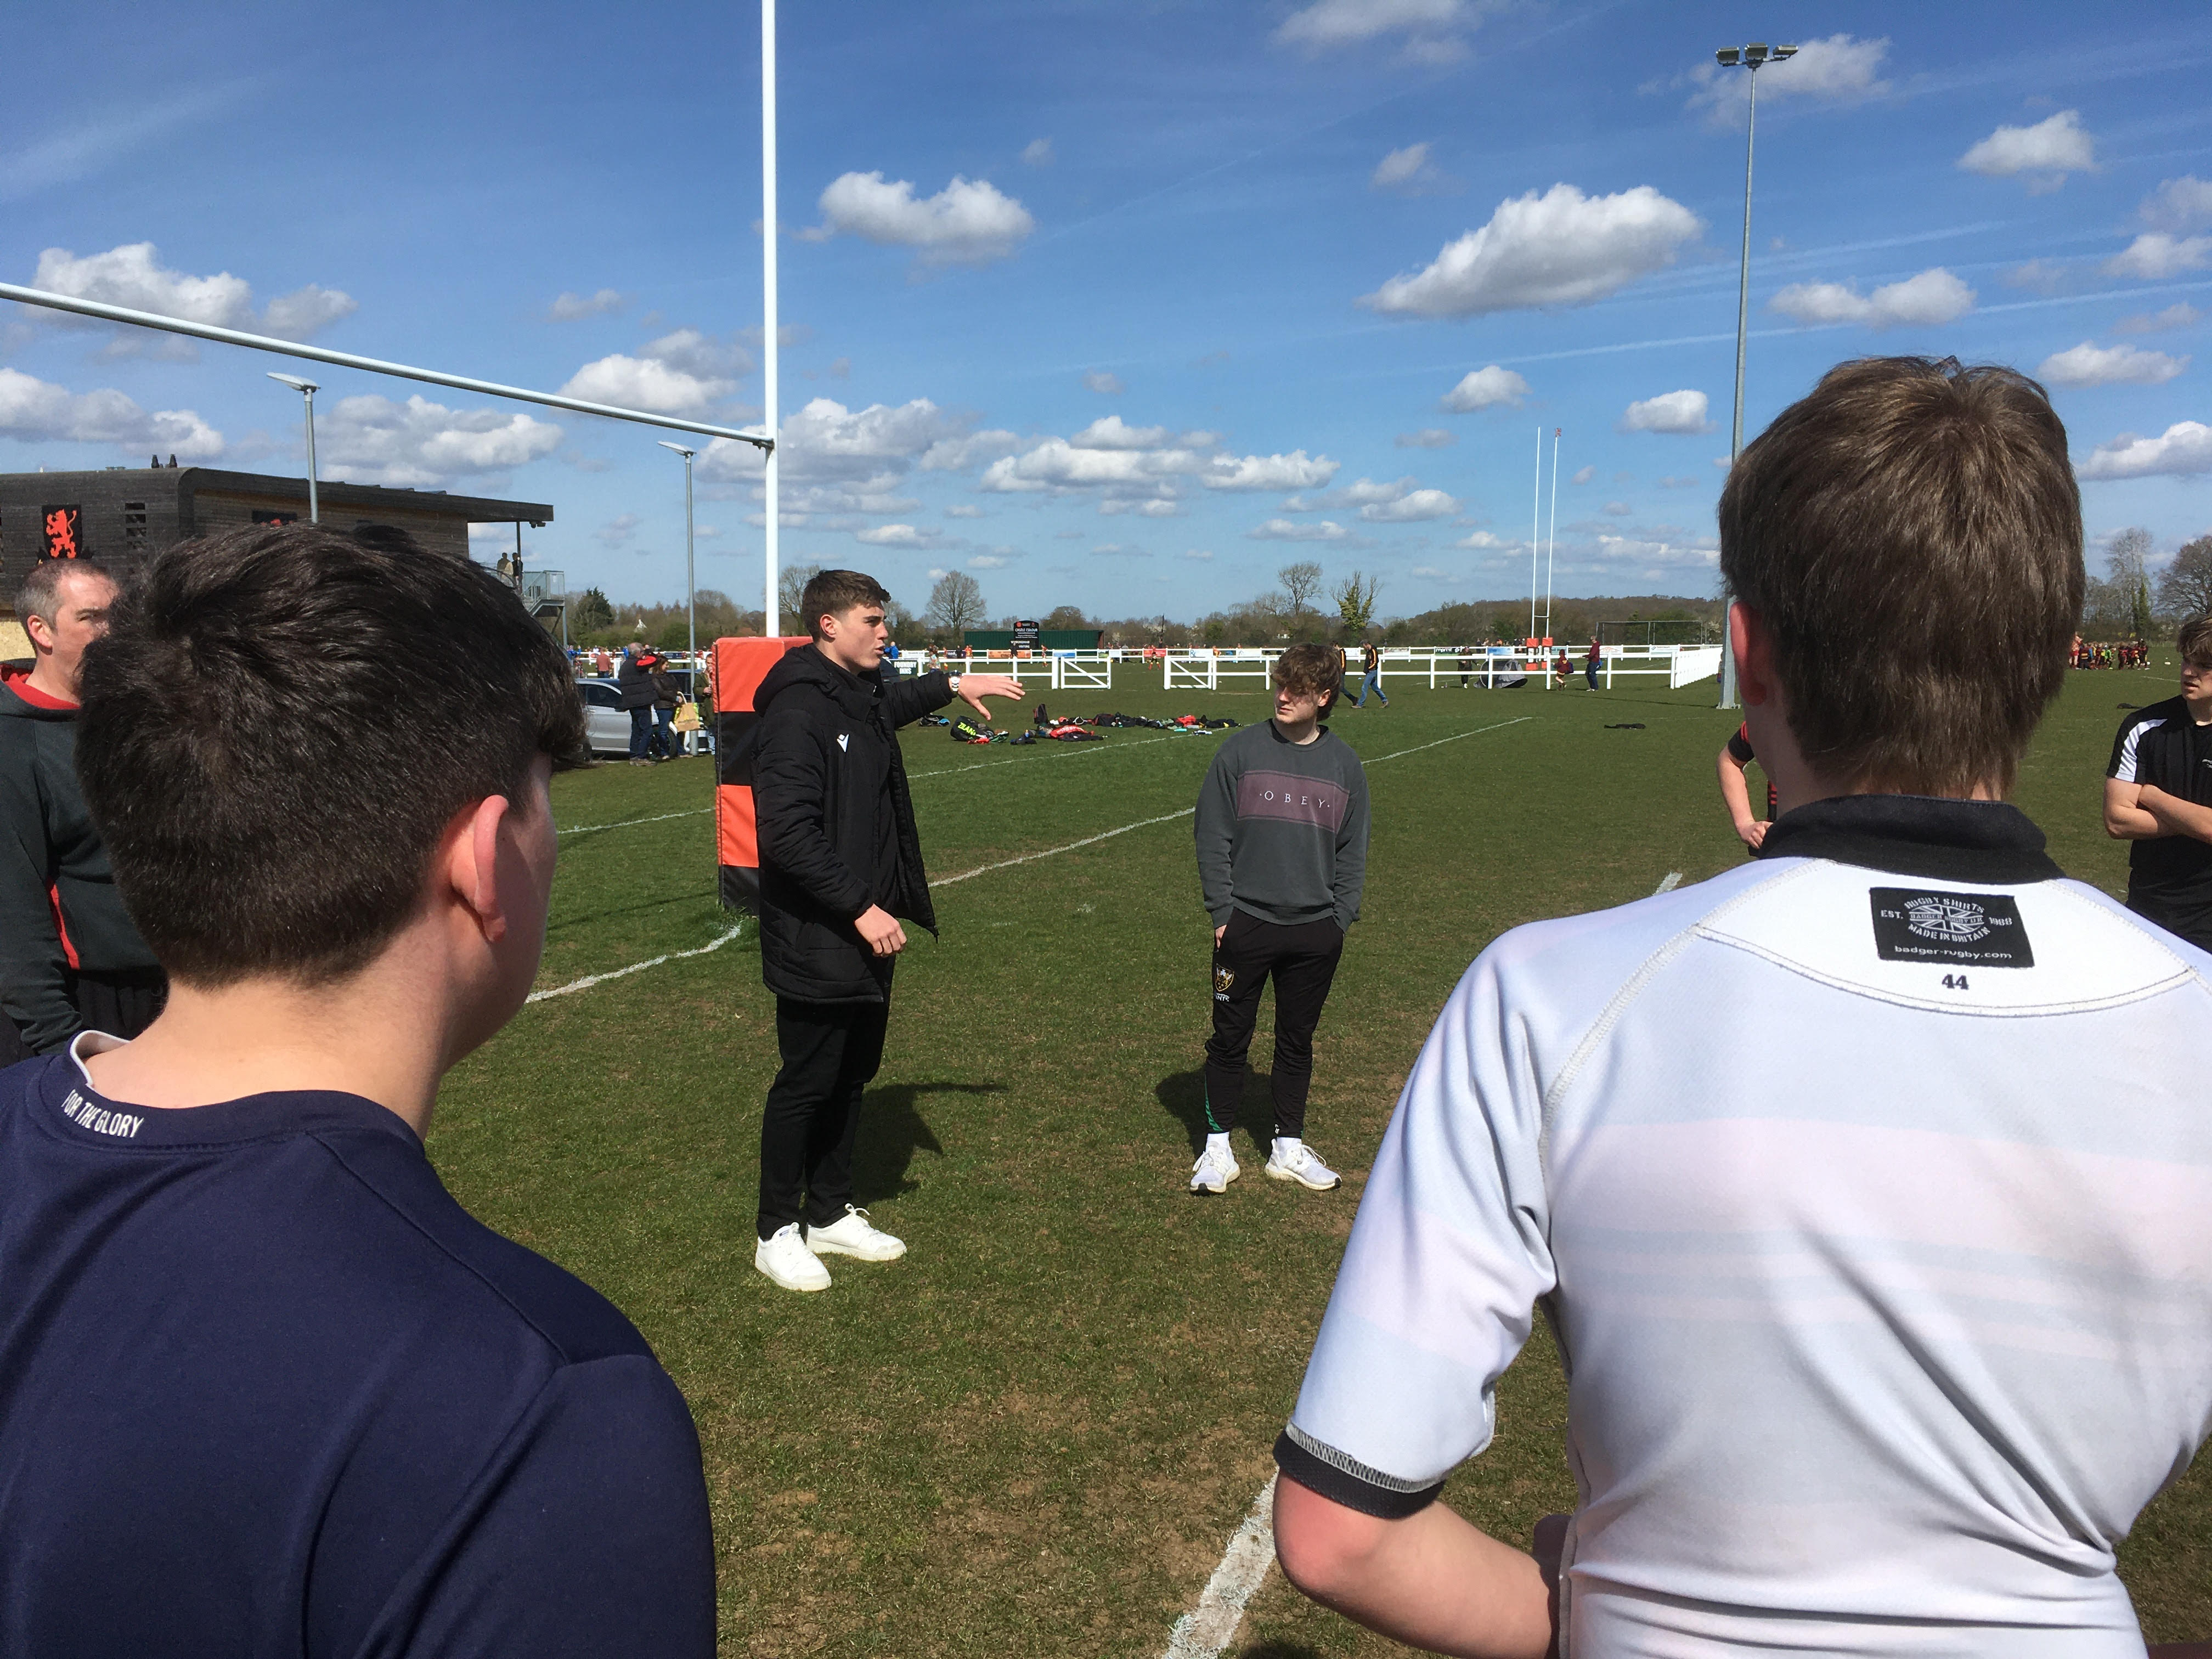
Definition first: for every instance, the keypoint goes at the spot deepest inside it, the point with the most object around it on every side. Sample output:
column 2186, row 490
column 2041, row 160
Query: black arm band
column 1341, row 1481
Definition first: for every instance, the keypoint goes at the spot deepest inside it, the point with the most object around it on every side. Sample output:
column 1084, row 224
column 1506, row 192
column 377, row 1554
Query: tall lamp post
column 306, row 389
column 690, row 616
column 1748, row 58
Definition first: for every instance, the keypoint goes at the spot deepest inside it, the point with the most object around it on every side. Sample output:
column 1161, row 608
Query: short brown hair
column 269, row 760
column 2195, row 639
column 833, row 592
column 40, row 595
column 1312, row 669
column 1911, row 534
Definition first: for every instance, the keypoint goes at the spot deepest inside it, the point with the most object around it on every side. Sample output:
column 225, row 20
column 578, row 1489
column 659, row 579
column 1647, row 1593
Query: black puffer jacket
column 51, row 862
column 634, row 683
column 826, row 768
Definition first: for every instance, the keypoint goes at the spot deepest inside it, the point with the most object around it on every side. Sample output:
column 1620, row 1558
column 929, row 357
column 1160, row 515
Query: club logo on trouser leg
column 1225, row 980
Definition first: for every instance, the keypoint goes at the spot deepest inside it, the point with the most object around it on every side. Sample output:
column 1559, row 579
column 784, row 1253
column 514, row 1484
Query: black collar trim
column 1916, row 835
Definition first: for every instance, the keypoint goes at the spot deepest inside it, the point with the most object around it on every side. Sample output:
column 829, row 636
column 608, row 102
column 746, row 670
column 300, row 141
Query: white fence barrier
column 1248, row 667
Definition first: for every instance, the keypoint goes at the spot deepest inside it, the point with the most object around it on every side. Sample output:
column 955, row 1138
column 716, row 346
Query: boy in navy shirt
column 264, row 1388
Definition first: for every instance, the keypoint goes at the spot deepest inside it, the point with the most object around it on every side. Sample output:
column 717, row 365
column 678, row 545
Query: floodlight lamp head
column 686, row 453
column 1728, row 57
column 295, row 382
column 1781, row 52
column 1755, row 53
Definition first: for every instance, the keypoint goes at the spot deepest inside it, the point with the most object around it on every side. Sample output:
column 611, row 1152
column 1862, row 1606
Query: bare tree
column 956, row 604
column 790, row 585
column 1302, row 581
column 2184, row 587
column 1355, row 597
column 2125, row 563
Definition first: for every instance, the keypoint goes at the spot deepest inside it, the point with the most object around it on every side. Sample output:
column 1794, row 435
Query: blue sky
column 1123, row 305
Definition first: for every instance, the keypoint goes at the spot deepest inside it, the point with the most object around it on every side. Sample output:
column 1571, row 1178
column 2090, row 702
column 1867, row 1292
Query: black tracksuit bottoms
column 1301, row 961
column 830, row 1050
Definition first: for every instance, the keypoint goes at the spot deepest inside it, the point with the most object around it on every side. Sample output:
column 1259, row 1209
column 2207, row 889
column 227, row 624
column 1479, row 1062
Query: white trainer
column 1293, row 1160
column 1215, row 1168
column 786, row 1258
column 853, row 1234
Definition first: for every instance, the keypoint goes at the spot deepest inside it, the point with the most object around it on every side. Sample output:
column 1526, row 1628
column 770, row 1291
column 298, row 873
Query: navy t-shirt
column 266, row 1389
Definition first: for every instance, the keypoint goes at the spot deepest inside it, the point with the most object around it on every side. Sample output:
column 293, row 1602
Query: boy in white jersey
column 1881, row 1361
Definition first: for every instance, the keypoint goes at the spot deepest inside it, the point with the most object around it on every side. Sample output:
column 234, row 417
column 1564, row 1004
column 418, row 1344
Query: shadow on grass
column 1278, row 1649
column 1183, row 1096
column 567, row 922
column 892, row 1130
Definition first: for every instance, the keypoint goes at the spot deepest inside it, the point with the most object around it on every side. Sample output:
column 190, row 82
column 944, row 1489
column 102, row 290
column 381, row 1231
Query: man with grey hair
column 71, row 959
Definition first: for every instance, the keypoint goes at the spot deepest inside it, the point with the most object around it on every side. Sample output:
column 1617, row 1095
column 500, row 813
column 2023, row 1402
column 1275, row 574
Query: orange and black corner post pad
column 740, row 667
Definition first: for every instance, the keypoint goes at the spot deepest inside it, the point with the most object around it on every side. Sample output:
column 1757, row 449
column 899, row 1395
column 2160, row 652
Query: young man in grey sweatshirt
column 1282, row 854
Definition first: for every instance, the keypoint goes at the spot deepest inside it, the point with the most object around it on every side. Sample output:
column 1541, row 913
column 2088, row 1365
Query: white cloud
column 1482, row 388
column 1482, row 541
column 1932, row 297
column 1157, row 508
column 987, row 561
column 1414, row 507
column 134, row 275
column 865, row 450
column 1199, row 553
column 2047, row 152
column 682, row 373
column 969, row 222
column 33, row 410
column 1104, row 382
column 1670, row 411
column 2183, row 450
column 2180, row 205
column 575, row 307
column 1561, row 248
column 1110, row 432
column 896, row 535
column 958, row 455
column 1429, row 437
column 2155, row 255
column 1615, row 509
column 1292, row 471
column 1432, row 29
column 2043, row 275
column 963, row 510
column 2181, row 315
column 1411, row 172
column 618, row 531
column 1037, row 153
column 1056, row 464
column 2090, row 364
column 1288, row 530
column 1837, row 69
column 1584, row 475
column 418, row 444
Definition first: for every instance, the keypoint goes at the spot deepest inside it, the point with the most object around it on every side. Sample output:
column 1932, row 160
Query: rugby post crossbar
column 32, row 297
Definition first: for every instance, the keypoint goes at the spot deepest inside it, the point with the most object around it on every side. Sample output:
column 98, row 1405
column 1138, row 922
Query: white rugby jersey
column 1870, row 1188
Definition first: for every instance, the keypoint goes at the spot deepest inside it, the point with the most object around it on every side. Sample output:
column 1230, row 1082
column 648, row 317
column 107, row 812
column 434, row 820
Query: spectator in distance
column 666, row 694
column 1371, row 669
column 264, row 1387
column 2158, row 794
column 1867, row 1186
column 1592, row 663
column 71, row 957
column 1282, row 857
column 634, row 685
column 839, row 862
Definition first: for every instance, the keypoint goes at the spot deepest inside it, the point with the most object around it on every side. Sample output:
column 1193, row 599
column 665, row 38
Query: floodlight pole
column 1535, row 530
column 770, row 471
column 1748, row 59
column 1552, row 541
column 306, row 389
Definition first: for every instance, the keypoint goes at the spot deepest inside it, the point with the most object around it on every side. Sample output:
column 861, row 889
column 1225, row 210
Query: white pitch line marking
column 1016, row 760
column 1673, row 879
column 1031, row 857
column 590, row 980
column 662, row 818
column 1454, row 738
column 1206, row 1630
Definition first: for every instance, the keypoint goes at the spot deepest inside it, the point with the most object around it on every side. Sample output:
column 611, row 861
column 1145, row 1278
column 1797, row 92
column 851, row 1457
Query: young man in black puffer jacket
column 839, row 861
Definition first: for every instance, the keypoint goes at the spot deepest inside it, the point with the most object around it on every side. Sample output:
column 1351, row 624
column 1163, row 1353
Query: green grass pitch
column 1035, row 1434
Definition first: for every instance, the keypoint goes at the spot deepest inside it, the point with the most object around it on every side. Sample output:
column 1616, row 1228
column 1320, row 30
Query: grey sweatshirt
column 1282, row 829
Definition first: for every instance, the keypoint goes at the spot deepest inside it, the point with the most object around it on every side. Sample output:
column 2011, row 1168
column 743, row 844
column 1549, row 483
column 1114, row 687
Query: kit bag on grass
column 966, row 730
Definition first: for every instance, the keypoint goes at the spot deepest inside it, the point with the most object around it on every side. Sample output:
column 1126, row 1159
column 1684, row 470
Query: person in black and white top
column 1867, row 1186
column 2158, row 794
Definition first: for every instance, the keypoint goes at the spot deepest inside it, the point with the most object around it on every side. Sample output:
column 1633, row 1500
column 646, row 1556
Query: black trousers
column 1301, row 961
column 122, row 1003
column 830, row 1050
column 2190, row 920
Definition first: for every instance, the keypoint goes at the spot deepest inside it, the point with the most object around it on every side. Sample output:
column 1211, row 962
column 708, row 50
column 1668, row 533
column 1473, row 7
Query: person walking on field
column 839, row 862
column 71, row 957
column 1593, row 662
column 1371, row 667
column 1282, row 856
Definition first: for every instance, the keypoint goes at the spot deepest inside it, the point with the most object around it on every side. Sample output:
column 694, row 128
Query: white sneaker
column 1214, row 1171
column 1293, row 1160
column 789, row 1262
column 853, row 1234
